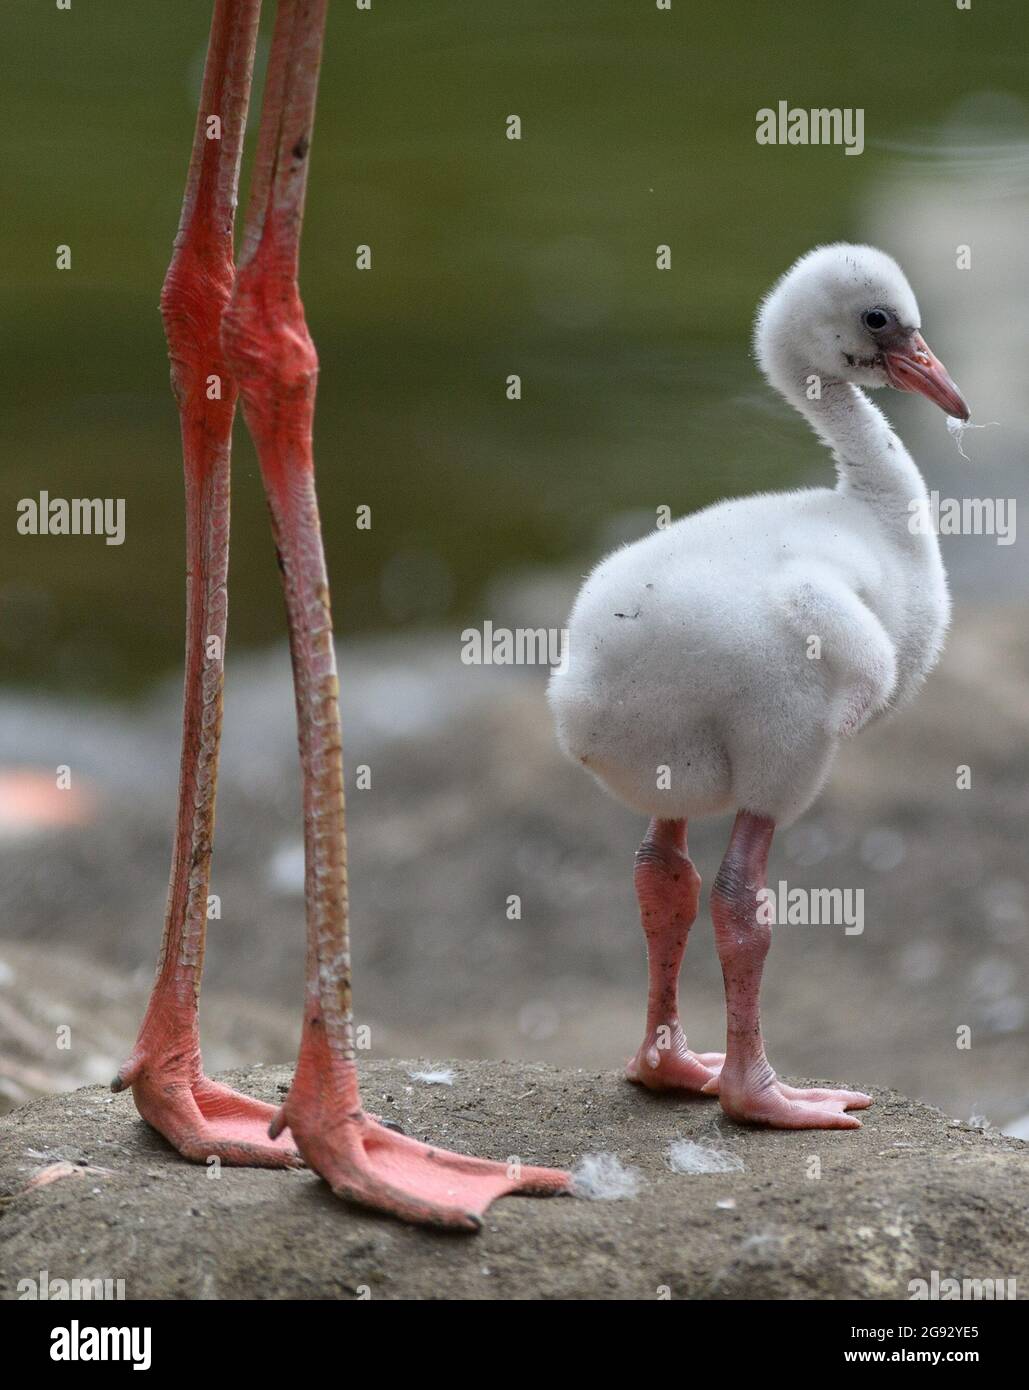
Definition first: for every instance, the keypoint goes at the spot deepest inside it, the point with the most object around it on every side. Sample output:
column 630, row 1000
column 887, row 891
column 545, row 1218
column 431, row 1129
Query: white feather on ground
column 442, row 1076
column 602, row 1177
column 687, row 1156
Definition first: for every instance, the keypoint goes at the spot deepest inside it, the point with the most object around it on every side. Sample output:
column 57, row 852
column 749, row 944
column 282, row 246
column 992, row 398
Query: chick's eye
column 875, row 319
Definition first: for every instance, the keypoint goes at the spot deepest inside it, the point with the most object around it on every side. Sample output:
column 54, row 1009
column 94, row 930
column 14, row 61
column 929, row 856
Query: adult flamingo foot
column 664, row 1062
column 200, row 1118
column 363, row 1161
column 770, row 1102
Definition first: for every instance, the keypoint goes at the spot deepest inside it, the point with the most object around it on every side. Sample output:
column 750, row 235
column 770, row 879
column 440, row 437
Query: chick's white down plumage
column 717, row 663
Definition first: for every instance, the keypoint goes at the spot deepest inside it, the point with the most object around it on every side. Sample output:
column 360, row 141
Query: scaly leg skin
column 748, row 1087
column 199, row 1117
column 668, row 889
column 271, row 354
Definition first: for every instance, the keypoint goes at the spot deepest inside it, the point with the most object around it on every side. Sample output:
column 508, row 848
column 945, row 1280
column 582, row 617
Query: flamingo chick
column 716, row 664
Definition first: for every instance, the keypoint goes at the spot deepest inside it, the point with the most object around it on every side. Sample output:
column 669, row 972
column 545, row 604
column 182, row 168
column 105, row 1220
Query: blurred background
column 491, row 257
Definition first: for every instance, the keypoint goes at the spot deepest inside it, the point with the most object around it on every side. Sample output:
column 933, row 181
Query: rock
column 811, row 1215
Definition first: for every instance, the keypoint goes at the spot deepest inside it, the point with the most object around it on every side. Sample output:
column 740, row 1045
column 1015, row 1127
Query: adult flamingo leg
column 668, row 889
column 270, row 352
column 200, row 1118
column 748, row 1087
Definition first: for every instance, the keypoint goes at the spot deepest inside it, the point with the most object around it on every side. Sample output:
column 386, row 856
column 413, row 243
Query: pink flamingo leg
column 200, row 1118
column 668, row 889
column 273, row 358
column 748, row 1087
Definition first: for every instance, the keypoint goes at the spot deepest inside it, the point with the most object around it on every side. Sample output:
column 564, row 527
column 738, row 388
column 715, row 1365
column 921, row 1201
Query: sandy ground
column 823, row 1215
column 470, row 803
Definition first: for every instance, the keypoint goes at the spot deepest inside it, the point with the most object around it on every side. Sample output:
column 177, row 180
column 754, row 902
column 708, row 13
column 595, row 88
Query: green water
column 490, row 257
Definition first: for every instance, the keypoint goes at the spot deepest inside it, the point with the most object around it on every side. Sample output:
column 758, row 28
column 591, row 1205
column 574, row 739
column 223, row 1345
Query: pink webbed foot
column 364, row 1162
column 665, row 1063
column 203, row 1119
column 769, row 1101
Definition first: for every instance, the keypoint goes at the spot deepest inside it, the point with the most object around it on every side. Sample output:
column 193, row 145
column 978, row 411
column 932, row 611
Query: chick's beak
column 914, row 367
